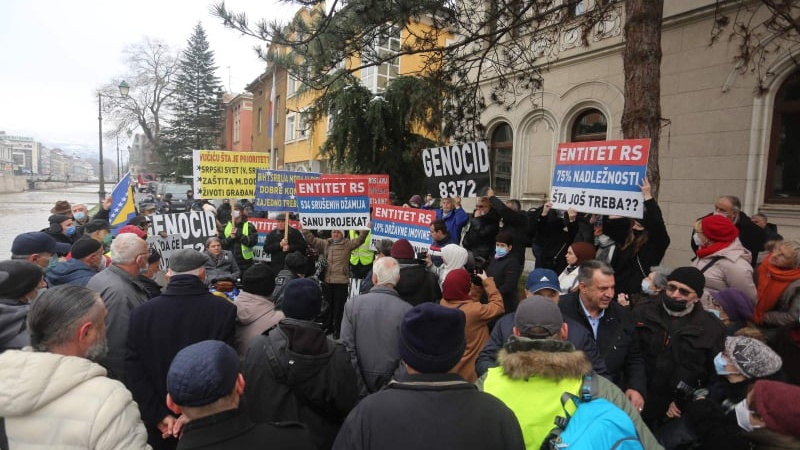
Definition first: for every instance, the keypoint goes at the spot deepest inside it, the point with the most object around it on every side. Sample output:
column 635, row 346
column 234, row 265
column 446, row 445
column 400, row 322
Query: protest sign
column 224, row 174
column 275, row 189
column 457, row 170
column 264, row 226
column 335, row 204
column 395, row 222
column 170, row 232
column 601, row 177
column 377, row 186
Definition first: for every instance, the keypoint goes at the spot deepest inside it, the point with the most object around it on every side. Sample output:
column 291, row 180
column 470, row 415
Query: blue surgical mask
column 499, row 252
column 80, row 215
column 647, row 287
column 52, row 263
column 70, row 230
column 719, row 364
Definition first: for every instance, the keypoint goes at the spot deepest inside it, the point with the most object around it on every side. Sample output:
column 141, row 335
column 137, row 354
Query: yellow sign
column 224, row 174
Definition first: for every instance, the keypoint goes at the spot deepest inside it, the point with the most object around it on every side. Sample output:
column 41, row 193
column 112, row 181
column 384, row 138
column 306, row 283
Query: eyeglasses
column 683, row 291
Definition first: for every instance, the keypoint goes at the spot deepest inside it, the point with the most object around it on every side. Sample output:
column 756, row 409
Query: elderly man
column 282, row 241
column 430, row 407
column 454, row 217
column 184, row 314
column 54, row 395
column 121, row 290
column 611, row 326
column 371, row 326
column 87, row 259
column 680, row 340
column 20, row 283
column 39, row 248
column 205, row 385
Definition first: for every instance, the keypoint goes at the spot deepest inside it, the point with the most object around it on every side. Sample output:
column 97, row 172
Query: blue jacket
column 503, row 329
column 72, row 271
column 454, row 222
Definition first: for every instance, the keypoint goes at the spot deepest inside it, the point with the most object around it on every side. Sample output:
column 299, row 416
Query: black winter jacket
column 233, row 430
column 294, row 372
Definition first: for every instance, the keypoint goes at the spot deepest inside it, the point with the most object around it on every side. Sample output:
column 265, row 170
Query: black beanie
column 23, row 277
column 259, row 279
column 84, row 247
column 689, row 276
column 302, row 299
column 432, row 338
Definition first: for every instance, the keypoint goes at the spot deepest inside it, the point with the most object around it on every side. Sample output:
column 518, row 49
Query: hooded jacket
column 255, row 314
column 532, row 376
column 337, row 255
column 56, row 401
column 296, row 373
column 72, row 271
column 13, row 329
column 732, row 269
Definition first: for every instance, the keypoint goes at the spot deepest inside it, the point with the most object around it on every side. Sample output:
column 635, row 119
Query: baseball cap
column 539, row 279
column 538, row 317
column 37, row 242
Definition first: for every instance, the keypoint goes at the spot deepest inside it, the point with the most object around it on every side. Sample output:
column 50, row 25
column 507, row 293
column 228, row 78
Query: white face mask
column 697, row 241
column 743, row 416
column 235, row 214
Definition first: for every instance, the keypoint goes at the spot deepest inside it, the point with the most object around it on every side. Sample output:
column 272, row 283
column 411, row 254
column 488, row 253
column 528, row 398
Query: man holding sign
column 281, row 241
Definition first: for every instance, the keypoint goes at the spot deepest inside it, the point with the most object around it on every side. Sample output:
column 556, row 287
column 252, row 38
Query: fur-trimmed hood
column 522, row 358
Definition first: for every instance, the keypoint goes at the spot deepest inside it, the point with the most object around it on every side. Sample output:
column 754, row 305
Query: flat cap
column 186, row 259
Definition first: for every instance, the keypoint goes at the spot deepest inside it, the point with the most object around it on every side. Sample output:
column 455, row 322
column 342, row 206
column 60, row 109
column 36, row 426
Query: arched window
column 501, row 154
column 783, row 169
column 591, row 125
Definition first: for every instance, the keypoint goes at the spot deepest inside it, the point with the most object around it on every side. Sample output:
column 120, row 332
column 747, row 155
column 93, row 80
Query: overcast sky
column 56, row 53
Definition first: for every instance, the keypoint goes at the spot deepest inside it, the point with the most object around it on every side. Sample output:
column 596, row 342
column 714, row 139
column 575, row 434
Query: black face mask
column 674, row 305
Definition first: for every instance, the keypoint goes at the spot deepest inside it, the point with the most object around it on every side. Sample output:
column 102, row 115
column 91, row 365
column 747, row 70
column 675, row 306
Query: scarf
column 772, row 281
column 702, row 252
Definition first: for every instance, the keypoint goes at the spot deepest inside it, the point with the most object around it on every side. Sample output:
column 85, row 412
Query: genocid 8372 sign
column 456, row 170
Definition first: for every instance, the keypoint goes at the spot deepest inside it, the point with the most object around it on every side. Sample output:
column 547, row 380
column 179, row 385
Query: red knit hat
column 584, row 251
column 133, row 229
column 779, row 405
column 456, row 285
column 719, row 228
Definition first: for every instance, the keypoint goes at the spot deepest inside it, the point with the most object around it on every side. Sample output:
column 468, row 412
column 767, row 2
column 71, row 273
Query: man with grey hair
column 186, row 313
column 56, row 382
column 371, row 326
column 121, row 290
column 611, row 325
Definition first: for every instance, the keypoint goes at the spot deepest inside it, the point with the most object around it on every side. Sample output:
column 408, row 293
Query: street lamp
column 123, row 90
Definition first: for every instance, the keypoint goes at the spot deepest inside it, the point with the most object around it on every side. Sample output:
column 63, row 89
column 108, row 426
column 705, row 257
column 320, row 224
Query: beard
column 97, row 350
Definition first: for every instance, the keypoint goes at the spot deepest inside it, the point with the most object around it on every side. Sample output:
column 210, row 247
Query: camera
column 688, row 392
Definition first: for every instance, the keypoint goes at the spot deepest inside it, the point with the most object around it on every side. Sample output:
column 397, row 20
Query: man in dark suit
column 184, row 314
column 612, row 326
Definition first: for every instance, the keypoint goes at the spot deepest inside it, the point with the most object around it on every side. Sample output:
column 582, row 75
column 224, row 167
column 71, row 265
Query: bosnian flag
column 123, row 206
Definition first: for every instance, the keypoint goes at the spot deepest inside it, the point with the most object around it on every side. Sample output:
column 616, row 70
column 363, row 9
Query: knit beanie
column 132, row 229
column 402, row 249
column 584, row 251
column 84, row 247
column 779, row 405
column 432, row 338
column 719, row 228
column 23, row 277
column 456, row 285
column 302, row 299
column 753, row 358
column 259, row 279
column 58, row 218
column 415, row 201
column 689, row 276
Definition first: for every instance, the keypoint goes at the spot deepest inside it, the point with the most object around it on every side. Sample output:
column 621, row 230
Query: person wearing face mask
column 652, row 286
column 20, row 283
column 122, row 291
column 505, row 270
column 679, row 340
column 239, row 236
column 38, row 248
column 752, row 236
column 61, row 228
column 87, row 259
column 186, row 313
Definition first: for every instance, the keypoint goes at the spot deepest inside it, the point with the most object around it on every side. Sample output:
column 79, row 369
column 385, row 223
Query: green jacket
column 531, row 378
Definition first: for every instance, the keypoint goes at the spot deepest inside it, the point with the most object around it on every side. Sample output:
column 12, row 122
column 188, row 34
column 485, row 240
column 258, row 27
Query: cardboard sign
column 224, row 174
column 275, row 189
column 601, row 177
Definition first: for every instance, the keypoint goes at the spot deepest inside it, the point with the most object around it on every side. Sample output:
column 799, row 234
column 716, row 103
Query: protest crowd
column 267, row 331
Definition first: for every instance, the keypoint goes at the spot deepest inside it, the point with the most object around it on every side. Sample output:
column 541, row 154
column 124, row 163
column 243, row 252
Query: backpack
column 596, row 423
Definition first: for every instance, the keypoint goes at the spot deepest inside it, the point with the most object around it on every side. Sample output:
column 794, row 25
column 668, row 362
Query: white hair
column 126, row 247
column 386, row 270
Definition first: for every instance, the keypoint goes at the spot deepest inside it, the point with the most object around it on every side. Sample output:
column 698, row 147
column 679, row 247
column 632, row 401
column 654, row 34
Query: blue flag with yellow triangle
column 123, row 206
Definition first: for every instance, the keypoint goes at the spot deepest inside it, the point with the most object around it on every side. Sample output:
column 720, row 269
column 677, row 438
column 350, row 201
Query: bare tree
column 151, row 68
